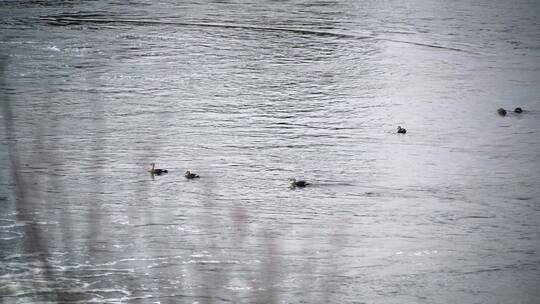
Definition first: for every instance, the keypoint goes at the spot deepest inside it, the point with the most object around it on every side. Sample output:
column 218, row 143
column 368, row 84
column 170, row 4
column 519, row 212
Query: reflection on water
column 249, row 95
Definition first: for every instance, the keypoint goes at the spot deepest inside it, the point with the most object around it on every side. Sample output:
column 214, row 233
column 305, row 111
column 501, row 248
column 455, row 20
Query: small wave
column 417, row 253
column 492, row 269
column 52, row 48
column 476, row 217
column 202, row 262
column 10, row 235
column 239, row 288
column 428, row 45
column 372, row 194
column 151, row 224
column 34, row 254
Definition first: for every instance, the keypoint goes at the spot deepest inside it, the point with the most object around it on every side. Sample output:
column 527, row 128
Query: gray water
column 249, row 94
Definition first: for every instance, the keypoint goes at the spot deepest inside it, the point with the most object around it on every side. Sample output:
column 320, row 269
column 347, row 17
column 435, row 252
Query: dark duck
column 501, row 111
column 190, row 175
column 401, row 130
column 298, row 183
column 155, row 171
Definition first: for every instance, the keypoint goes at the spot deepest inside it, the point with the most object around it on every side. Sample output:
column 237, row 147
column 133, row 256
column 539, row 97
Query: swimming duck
column 155, row 171
column 190, row 175
column 518, row 110
column 401, row 130
column 501, row 111
column 299, row 183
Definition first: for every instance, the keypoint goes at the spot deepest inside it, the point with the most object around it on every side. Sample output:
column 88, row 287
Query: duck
column 298, row 183
column 190, row 175
column 501, row 111
column 518, row 110
column 401, row 130
column 155, row 171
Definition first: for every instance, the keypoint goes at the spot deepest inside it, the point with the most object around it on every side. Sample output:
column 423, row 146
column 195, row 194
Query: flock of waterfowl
column 190, row 175
column 502, row 111
column 294, row 182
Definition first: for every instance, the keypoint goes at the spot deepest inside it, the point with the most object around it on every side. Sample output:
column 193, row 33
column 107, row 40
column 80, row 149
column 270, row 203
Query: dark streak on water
column 77, row 20
column 249, row 94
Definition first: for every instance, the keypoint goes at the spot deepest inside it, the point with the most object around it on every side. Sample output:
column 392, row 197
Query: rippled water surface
column 249, row 94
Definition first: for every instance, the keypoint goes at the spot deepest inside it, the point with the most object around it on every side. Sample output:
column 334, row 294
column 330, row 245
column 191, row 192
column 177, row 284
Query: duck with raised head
column 155, row 171
column 401, row 130
column 501, row 111
column 190, row 175
column 298, row 183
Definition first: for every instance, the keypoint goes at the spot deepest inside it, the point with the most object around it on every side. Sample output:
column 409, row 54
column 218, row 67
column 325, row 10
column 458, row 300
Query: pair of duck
column 189, row 175
column 153, row 170
column 502, row 111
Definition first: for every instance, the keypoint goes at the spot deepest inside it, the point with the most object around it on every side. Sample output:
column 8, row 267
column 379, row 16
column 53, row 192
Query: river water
column 249, row 94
